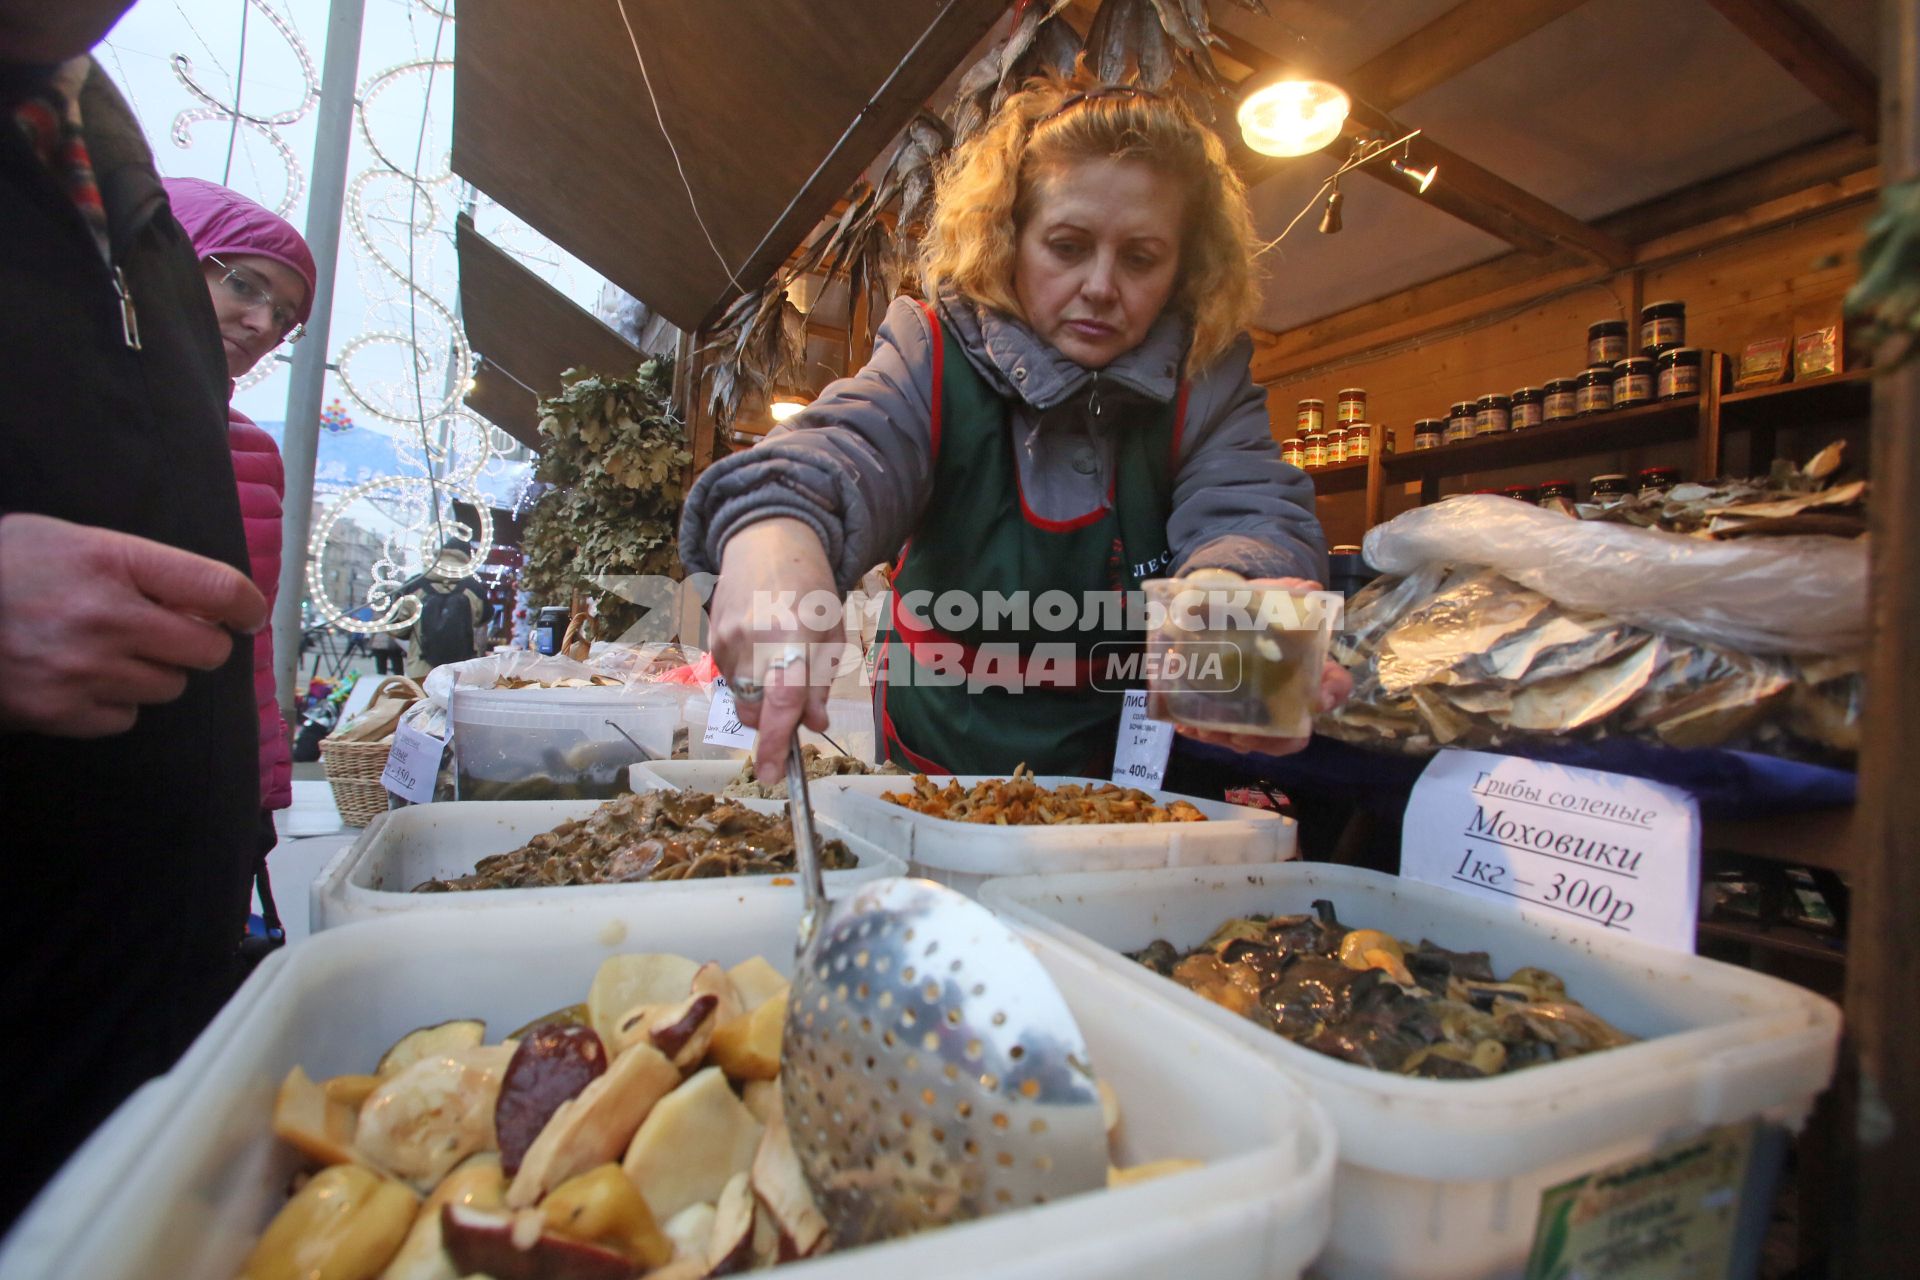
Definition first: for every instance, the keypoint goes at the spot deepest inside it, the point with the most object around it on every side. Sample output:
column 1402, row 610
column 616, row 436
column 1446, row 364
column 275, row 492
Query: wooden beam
column 1464, row 35
column 1808, row 52
column 1829, row 160
column 1879, row 1074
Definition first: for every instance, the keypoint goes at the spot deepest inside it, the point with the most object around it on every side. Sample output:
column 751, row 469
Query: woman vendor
column 1072, row 413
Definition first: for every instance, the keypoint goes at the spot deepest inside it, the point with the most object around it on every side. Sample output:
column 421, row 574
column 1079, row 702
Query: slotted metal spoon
column 931, row 1072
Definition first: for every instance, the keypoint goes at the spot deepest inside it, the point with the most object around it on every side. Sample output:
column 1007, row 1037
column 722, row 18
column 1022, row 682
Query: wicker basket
column 354, row 768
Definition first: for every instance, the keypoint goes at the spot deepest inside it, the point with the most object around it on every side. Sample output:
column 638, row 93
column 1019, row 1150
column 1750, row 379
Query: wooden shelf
column 1634, row 428
column 1341, row 477
column 1773, row 937
column 1791, row 404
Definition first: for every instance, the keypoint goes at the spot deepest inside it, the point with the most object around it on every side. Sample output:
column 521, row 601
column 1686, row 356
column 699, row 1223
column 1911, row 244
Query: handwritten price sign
column 723, row 720
column 1140, row 753
column 1615, row 852
column 413, row 764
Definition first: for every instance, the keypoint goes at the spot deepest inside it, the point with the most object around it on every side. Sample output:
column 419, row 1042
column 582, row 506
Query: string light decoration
column 215, row 110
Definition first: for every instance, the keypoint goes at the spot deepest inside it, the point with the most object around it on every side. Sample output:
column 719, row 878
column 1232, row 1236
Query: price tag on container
column 723, row 720
column 413, row 764
column 1140, row 754
column 1558, row 843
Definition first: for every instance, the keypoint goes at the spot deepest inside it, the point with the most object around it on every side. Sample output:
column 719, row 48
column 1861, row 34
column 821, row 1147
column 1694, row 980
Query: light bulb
column 781, row 410
column 1293, row 117
column 1421, row 178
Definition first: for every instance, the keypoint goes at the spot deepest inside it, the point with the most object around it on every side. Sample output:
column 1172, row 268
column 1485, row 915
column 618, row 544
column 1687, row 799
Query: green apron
column 1014, row 694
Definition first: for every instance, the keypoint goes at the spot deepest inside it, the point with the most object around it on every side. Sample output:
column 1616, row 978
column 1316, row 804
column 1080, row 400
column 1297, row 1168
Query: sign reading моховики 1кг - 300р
column 1561, row 844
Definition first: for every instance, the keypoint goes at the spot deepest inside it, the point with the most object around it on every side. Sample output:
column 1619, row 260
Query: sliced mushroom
column 602, row 1206
column 430, row 1116
column 730, row 1248
column 781, row 1187
column 344, row 1224
column 595, row 1127
column 307, row 1119
column 692, row 1144
column 477, row 1183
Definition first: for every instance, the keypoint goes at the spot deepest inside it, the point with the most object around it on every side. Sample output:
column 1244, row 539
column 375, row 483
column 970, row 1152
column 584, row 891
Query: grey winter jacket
column 857, row 465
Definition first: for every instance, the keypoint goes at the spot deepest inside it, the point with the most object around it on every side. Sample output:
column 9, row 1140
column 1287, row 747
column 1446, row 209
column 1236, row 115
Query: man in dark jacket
column 128, row 787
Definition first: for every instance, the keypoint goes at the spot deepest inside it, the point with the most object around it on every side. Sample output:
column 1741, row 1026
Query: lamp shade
column 1293, row 117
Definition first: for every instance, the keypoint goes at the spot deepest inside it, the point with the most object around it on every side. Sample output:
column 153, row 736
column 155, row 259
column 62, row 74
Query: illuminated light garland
column 415, row 543
column 266, row 126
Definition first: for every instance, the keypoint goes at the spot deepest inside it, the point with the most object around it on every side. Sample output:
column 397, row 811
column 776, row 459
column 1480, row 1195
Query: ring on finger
column 746, row 689
column 787, row 657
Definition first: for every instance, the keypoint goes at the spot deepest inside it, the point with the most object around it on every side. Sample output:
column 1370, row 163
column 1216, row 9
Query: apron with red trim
column 964, row 690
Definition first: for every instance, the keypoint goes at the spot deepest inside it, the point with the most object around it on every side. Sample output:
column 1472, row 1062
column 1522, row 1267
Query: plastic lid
column 1459, row 405
column 1611, row 475
column 1664, row 302
column 1526, row 391
column 1606, row 326
column 1321, row 403
column 1345, row 549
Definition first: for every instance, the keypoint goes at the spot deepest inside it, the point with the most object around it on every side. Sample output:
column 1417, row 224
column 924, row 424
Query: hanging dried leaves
column 616, row 454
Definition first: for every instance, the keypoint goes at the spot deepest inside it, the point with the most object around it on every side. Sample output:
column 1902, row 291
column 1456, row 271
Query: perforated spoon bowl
column 931, row 1072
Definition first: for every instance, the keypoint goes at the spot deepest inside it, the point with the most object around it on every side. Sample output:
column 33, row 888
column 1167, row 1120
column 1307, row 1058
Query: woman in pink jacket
column 261, row 277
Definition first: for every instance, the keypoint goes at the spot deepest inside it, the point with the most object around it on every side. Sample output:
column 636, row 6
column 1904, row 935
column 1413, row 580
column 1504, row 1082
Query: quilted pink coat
column 220, row 222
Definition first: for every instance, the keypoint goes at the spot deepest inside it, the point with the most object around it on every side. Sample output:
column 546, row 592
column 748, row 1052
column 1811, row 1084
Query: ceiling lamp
column 1293, row 117
column 1420, row 178
column 785, row 407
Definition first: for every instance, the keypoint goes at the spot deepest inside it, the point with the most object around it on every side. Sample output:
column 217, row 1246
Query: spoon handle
column 806, row 848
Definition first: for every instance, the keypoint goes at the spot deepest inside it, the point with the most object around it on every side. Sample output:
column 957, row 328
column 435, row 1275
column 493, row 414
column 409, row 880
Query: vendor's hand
column 776, row 565
column 95, row 624
column 1335, row 687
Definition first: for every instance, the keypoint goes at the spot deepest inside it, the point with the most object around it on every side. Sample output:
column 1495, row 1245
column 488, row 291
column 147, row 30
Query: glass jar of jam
column 1350, row 406
column 1560, row 401
column 1606, row 342
column 1521, row 493
column 1609, row 490
column 1359, row 440
column 1679, row 374
column 1557, row 495
column 1593, row 390
column 1293, row 452
column 1528, row 409
column 1460, row 421
column 1663, row 326
column 1316, row 449
column 1429, row 433
column 1336, row 445
column 1633, row 382
column 1492, row 415
column 1311, row 416
column 1657, row 480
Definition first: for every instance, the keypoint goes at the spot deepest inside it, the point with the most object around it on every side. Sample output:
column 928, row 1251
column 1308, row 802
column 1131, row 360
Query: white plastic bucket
column 211, row 1175
column 1441, row 1179
column 405, row 847
column 545, row 744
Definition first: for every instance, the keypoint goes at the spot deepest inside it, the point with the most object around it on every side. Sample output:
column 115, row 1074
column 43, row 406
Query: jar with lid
column 1609, row 490
column 1528, row 409
column 1359, row 440
column 1606, row 342
column 1657, row 480
column 1560, row 401
column 551, row 628
column 1521, row 493
column 1491, row 415
column 1557, row 495
column 1316, row 449
column 1350, row 406
column 1293, row 452
column 1429, row 433
column 1679, row 374
column 1460, row 421
column 1633, row 382
column 1663, row 326
column 1336, row 445
column 1593, row 390
column 1311, row 416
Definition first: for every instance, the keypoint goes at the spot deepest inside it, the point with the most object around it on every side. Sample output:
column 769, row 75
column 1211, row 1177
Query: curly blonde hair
column 986, row 191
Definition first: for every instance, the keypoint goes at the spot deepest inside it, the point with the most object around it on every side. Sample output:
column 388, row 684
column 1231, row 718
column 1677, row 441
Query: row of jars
column 1602, row 491
column 1636, row 380
column 1328, row 448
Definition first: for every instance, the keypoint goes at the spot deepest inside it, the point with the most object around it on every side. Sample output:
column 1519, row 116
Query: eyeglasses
column 253, row 295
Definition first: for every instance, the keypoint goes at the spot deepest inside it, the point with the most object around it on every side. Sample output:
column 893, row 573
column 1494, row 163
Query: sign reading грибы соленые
column 1558, row 843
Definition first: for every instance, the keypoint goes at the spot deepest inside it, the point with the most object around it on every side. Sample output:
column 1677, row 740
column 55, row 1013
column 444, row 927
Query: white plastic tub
column 532, row 744
column 404, row 847
column 1442, row 1179
column 964, row 855
column 211, row 1175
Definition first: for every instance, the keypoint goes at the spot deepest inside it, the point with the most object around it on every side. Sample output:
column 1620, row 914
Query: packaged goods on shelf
column 1817, row 354
column 1763, row 363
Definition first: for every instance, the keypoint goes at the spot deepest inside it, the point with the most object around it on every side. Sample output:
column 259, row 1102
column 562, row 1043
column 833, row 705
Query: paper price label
column 1140, row 754
column 413, row 764
column 723, row 720
column 1558, row 843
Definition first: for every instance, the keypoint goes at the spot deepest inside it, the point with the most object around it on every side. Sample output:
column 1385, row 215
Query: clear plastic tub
column 558, row 744
column 964, row 855
column 211, row 1174
column 849, row 724
column 402, row 848
column 1231, row 656
column 1442, row 1179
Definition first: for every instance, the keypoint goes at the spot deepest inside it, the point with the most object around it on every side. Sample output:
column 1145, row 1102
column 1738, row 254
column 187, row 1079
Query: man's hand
column 95, row 624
